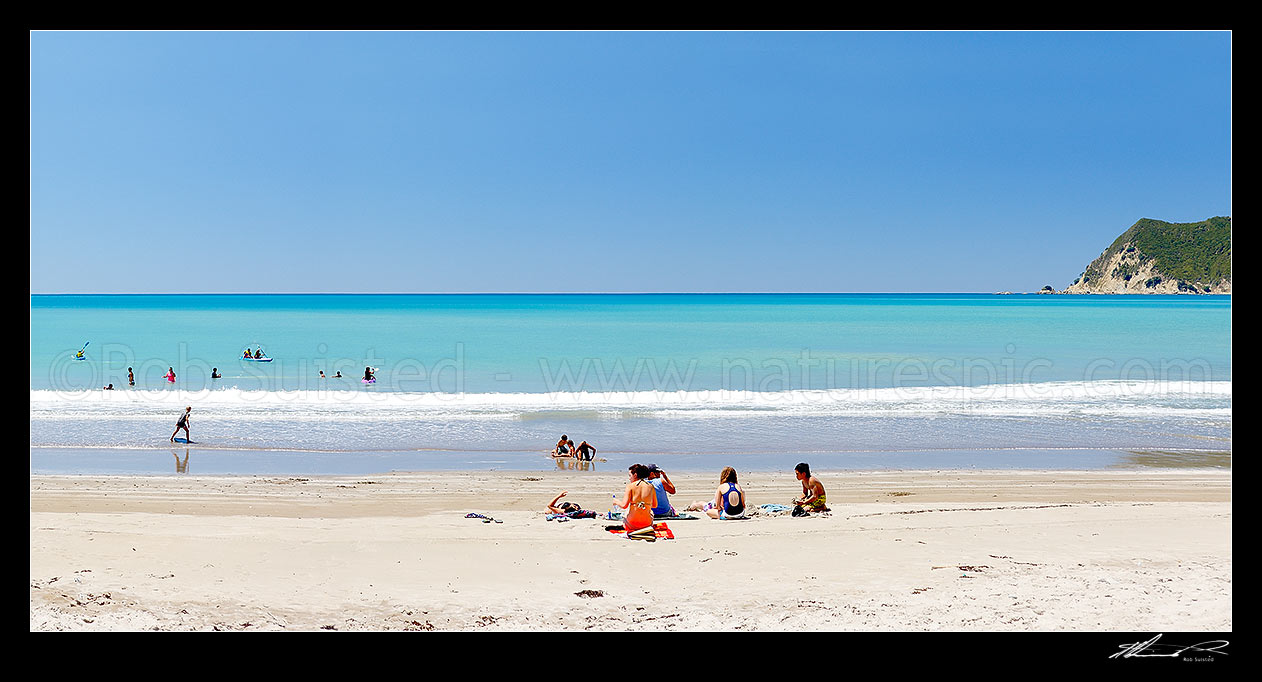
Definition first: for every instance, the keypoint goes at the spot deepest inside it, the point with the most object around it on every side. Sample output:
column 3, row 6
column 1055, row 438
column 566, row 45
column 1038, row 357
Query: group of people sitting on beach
column 648, row 491
column 566, row 448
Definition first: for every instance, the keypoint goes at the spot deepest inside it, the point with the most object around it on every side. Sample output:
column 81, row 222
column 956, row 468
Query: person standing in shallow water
column 183, row 424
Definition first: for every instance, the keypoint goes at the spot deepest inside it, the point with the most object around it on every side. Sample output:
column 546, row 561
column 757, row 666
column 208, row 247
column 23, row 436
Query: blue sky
column 612, row 161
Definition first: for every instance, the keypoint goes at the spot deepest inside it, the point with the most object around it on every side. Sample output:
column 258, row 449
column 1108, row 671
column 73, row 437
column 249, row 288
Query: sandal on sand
column 485, row 518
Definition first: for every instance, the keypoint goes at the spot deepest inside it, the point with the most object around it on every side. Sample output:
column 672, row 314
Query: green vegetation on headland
column 1154, row 256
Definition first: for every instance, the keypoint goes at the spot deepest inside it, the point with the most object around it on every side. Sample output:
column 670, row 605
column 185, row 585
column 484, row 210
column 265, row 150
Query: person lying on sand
column 563, row 507
column 812, row 499
column 729, row 498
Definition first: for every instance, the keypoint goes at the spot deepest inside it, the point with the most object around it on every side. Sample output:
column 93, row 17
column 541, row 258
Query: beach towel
column 660, row 531
column 676, row 517
column 775, row 507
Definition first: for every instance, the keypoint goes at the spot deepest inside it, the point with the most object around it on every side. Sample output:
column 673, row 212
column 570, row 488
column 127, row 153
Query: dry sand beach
column 901, row 551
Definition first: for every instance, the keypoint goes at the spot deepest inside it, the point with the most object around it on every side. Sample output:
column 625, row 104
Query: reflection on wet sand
column 181, row 467
column 1176, row 459
column 566, row 463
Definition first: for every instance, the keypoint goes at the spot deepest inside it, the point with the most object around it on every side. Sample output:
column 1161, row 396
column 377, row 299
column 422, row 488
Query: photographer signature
column 1137, row 649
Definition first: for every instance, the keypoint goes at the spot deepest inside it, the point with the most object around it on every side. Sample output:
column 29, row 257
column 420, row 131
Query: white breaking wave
column 1126, row 399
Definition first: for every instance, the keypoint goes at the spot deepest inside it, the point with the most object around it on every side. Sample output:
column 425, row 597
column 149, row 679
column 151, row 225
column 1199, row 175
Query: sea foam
column 1120, row 398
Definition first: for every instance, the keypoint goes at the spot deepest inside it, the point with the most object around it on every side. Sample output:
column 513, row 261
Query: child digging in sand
column 564, row 447
column 812, row 500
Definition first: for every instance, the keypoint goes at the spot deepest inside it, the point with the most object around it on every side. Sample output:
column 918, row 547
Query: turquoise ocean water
column 689, row 381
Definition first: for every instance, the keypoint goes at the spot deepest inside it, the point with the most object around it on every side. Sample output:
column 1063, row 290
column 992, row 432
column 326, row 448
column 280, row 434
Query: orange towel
column 660, row 530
